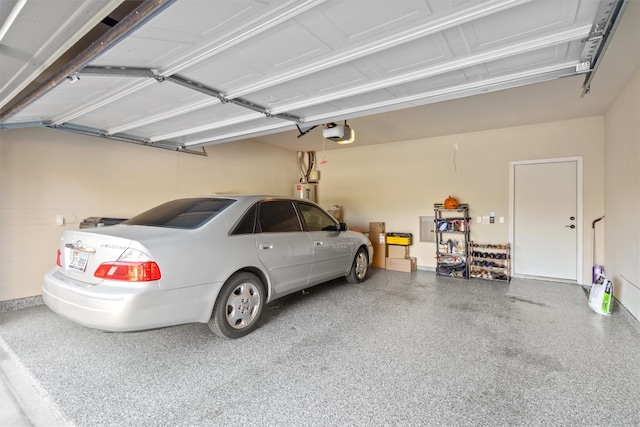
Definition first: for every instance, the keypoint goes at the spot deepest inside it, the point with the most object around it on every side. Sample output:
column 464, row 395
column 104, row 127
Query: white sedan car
column 213, row 259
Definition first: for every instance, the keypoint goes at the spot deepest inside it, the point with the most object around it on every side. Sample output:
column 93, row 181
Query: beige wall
column 397, row 183
column 622, row 187
column 44, row 173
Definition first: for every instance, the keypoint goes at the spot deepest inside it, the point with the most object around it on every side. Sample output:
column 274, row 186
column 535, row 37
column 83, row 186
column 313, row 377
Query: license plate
column 79, row 261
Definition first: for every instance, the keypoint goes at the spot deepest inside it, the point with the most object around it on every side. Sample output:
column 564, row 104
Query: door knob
column 570, row 226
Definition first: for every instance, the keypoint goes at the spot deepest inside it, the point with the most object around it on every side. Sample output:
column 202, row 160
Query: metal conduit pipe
column 133, row 20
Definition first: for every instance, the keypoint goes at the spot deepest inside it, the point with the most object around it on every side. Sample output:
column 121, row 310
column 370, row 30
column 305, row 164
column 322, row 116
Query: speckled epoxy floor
column 399, row 349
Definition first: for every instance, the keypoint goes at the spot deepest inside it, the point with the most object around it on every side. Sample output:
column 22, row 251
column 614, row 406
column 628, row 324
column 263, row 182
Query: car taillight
column 129, row 271
column 59, row 258
column 132, row 266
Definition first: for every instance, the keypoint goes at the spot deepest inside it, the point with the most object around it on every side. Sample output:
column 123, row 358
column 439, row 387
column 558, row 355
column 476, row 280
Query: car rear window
column 182, row 213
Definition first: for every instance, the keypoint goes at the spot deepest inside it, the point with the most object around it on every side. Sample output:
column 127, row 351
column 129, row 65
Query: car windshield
column 182, row 213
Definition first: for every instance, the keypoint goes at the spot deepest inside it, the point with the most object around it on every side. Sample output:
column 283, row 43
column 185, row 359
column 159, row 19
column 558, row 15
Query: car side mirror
column 337, row 228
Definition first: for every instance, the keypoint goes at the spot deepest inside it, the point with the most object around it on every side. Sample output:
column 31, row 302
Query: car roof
column 250, row 197
column 244, row 201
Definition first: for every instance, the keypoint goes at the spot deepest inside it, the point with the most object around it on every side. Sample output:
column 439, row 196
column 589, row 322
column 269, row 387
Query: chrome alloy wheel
column 243, row 305
column 361, row 265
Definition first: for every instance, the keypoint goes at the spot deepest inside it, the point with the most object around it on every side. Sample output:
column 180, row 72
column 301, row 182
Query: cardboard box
column 377, row 227
column 336, row 212
column 397, row 264
column 397, row 251
column 379, row 250
column 377, row 236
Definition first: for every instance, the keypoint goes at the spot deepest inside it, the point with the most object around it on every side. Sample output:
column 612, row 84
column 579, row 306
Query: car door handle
column 318, row 243
column 265, row 246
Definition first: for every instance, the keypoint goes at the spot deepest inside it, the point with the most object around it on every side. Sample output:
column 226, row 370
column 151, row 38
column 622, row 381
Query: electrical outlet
column 455, row 146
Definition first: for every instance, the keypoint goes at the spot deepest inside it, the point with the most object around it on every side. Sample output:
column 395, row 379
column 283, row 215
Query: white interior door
column 546, row 223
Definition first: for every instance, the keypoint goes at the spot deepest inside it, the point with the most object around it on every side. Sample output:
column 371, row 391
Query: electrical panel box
column 427, row 229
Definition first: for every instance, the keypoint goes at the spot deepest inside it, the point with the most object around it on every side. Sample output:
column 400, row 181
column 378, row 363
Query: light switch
column 60, row 219
column 479, row 219
column 501, row 220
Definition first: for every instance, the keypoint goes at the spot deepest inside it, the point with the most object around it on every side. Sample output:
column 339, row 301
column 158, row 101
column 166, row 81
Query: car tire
column 238, row 307
column 359, row 267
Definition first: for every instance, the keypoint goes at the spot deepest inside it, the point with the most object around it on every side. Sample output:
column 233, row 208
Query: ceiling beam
column 449, row 93
column 553, row 39
column 13, row 15
column 165, row 115
column 230, row 136
column 94, row 104
column 51, row 48
column 247, row 117
column 430, row 27
column 282, row 13
column 147, row 10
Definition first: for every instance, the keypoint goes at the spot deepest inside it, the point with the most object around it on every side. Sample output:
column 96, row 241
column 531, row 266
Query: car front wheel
column 238, row 306
column 359, row 267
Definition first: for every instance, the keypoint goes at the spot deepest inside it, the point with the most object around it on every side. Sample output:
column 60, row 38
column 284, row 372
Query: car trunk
column 81, row 253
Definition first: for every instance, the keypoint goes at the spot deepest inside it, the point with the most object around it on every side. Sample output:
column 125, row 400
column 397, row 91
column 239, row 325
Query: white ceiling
column 196, row 73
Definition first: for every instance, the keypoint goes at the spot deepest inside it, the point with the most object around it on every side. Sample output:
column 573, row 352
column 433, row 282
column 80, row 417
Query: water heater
column 305, row 191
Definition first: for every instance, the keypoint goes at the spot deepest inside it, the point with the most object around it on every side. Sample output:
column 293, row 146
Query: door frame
column 579, row 208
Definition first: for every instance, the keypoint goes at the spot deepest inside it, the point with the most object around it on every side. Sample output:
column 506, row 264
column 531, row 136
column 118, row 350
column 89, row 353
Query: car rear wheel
column 238, row 306
column 359, row 267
